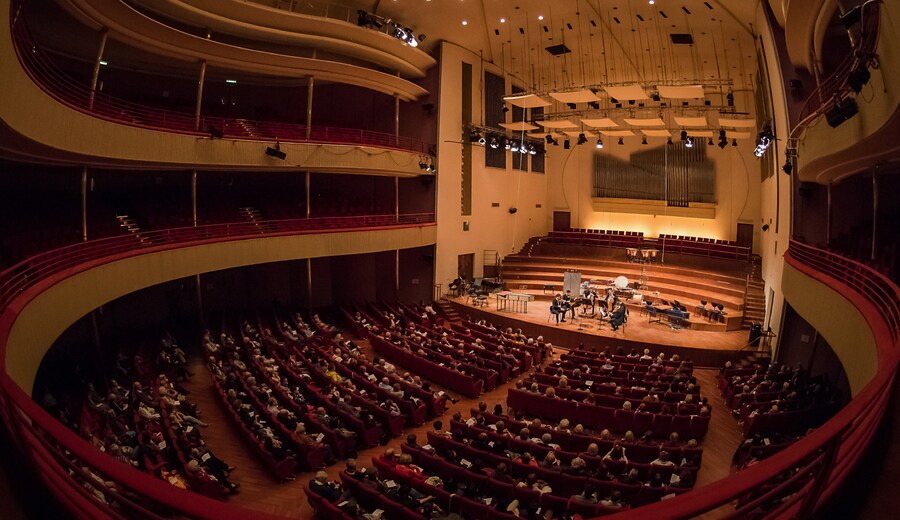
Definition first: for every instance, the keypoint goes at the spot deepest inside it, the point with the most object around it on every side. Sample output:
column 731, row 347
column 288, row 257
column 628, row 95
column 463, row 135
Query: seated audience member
column 330, row 490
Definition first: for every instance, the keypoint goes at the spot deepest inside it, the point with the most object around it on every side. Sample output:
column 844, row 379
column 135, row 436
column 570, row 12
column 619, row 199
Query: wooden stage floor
column 706, row 348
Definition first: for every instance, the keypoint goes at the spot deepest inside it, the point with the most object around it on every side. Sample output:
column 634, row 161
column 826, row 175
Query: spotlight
column 669, row 140
column 859, row 77
column 655, row 96
column 644, row 140
column 581, row 138
column 494, row 144
column 549, row 139
column 481, row 140
column 841, row 111
column 505, row 108
column 788, row 167
column 556, row 142
column 507, row 144
column 532, row 150
column 763, row 141
column 422, row 164
column 513, row 147
column 621, row 141
column 571, row 106
column 689, row 142
column 412, row 41
column 730, row 98
column 684, row 135
column 734, row 142
column 709, row 142
column 765, row 227
column 723, row 143
column 474, row 136
column 594, row 105
column 276, row 151
column 566, row 144
column 599, row 143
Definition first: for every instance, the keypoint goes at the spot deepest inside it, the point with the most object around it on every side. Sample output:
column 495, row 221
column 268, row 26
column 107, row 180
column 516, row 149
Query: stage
column 705, row 348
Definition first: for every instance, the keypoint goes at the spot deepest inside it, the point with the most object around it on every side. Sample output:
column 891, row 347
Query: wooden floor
column 259, row 491
column 638, row 328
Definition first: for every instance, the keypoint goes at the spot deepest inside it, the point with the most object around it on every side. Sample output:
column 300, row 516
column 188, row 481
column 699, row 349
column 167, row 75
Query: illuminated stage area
column 705, row 348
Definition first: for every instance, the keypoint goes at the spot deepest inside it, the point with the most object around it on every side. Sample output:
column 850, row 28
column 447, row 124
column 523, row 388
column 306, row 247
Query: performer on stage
column 568, row 302
column 618, row 316
column 556, row 308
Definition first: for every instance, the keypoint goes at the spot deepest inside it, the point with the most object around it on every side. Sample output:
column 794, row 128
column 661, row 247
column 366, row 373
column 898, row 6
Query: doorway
column 745, row 235
column 562, row 221
column 465, row 266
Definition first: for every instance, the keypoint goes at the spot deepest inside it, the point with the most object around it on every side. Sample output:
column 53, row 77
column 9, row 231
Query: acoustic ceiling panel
column 681, row 92
column 691, row 121
column 520, row 126
column 527, row 101
column 626, row 92
column 576, row 96
column 617, row 133
column 645, row 121
column 603, row 122
column 557, row 124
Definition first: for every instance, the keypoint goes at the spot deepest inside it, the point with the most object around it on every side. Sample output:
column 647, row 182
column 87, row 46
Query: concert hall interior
column 408, row 259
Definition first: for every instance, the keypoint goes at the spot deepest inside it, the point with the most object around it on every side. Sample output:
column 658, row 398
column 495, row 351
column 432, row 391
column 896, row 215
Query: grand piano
column 674, row 313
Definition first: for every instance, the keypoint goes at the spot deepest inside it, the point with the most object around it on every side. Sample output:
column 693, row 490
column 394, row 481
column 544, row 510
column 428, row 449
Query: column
column 84, row 188
column 309, row 106
column 194, row 196
column 96, row 75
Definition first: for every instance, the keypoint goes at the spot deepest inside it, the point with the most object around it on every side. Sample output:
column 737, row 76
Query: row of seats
column 600, row 417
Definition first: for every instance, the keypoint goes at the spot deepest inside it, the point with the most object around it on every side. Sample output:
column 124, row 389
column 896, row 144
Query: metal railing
column 73, row 470
column 796, row 482
column 78, row 96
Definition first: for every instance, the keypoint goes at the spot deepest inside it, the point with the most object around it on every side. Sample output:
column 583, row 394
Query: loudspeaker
column 512, row 211
column 842, row 111
column 276, row 153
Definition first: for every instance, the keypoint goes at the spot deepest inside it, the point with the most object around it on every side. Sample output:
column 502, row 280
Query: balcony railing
column 78, row 96
column 798, row 481
column 66, row 463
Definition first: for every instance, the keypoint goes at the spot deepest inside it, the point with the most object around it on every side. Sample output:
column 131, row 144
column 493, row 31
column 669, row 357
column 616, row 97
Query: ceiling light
column 481, row 140
column 514, row 147
column 689, row 142
column 503, row 20
column 594, row 105
column 566, row 144
column 465, row 22
column 599, row 143
column 621, row 141
column 104, row 62
column 734, row 142
column 532, row 150
column 644, row 140
column 581, row 138
column 669, row 140
column 540, row 17
column 231, row 81
column 494, row 143
column 709, row 141
column 549, row 139
column 652, row 2
column 571, row 106
column 763, row 141
column 684, row 135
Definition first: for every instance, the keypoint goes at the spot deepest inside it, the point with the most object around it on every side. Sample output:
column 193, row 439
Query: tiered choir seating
column 711, row 247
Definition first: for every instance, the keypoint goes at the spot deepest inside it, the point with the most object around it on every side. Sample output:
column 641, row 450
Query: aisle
column 260, row 491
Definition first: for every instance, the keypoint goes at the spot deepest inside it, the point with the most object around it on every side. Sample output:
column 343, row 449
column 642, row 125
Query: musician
column 557, row 308
column 610, row 298
column 618, row 316
column 590, row 298
column 568, row 304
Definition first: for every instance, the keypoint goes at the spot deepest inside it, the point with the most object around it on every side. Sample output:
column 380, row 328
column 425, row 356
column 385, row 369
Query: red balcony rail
column 68, row 465
column 796, row 482
column 80, row 97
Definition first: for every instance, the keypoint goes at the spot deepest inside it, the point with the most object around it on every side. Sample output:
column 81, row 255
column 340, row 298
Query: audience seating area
column 462, row 362
column 150, row 424
column 776, row 400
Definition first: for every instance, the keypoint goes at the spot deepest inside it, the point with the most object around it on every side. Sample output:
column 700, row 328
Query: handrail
column 78, row 96
column 57, row 453
column 819, row 462
column 27, row 272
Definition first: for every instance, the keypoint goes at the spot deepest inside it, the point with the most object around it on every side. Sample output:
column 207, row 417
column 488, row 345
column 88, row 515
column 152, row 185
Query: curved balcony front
column 92, row 128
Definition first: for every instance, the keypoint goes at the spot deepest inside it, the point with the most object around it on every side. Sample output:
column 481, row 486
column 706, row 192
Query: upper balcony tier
column 129, row 25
